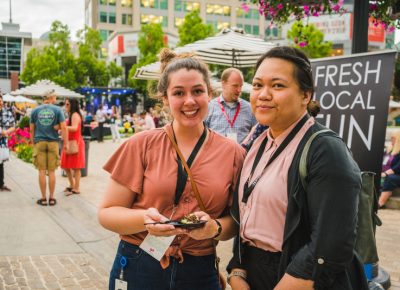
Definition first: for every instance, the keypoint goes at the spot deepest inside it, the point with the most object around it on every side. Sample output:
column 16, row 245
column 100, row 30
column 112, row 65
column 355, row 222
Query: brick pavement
column 69, row 272
column 85, row 270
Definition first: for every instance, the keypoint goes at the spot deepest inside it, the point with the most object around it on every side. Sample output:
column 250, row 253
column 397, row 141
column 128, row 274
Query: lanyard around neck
column 230, row 122
column 248, row 189
column 182, row 175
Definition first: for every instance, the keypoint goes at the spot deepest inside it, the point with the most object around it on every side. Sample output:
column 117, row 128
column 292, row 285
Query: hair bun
column 166, row 55
column 313, row 108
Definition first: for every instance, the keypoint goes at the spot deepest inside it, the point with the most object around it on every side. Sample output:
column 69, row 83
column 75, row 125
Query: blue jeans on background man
column 143, row 272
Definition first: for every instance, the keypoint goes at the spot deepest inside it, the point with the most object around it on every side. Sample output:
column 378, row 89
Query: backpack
column 367, row 208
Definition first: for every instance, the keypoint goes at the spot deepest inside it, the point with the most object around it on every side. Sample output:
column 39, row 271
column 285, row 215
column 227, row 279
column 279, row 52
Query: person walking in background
column 148, row 185
column 45, row 122
column 228, row 114
column 73, row 162
column 101, row 119
column 114, row 119
column 7, row 126
column 390, row 170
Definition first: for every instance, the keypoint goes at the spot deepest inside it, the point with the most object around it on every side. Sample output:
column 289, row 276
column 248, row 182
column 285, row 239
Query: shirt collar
column 222, row 100
column 278, row 140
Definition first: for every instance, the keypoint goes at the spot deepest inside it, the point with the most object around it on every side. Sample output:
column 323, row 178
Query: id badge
column 121, row 285
column 156, row 246
column 232, row 135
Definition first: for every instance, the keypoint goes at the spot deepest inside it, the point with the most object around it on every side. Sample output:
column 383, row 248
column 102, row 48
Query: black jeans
column 1, row 174
column 262, row 268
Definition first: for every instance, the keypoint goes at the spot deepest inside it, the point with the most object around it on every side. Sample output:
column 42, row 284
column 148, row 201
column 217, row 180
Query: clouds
column 36, row 16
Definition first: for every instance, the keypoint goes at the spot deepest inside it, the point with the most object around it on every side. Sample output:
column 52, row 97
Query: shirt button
column 187, row 199
column 320, row 261
column 179, row 238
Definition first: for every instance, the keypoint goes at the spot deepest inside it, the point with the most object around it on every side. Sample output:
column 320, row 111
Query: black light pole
column 360, row 26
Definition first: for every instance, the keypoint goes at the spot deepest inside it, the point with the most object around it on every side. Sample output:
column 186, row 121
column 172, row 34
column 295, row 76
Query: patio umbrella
column 230, row 47
column 152, row 72
column 8, row 98
column 40, row 88
column 22, row 99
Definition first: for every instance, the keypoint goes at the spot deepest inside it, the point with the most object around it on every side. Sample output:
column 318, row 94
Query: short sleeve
column 126, row 166
column 61, row 117
column 240, row 154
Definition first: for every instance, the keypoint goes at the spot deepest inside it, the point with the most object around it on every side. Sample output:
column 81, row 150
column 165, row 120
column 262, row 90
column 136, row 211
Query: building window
column 104, row 34
column 218, row 25
column 111, row 2
column 149, row 18
column 251, row 14
column 250, row 29
column 164, row 4
column 10, row 55
column 103, row 17
column 272, row 32
column 112, row 17
column 127, row 19
column 148, row 3
column 218, row 9
column 126, row 3
column 178, row 21
column 103, row 2
column 186, row 6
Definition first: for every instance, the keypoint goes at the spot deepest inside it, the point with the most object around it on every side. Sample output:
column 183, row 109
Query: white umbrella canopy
column 230, row 47
column 8, row 98
column 152, row 72
column 42, row 87
column 22, row 99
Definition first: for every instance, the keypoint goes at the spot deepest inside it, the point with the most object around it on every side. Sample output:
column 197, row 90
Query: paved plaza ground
column 64, row 247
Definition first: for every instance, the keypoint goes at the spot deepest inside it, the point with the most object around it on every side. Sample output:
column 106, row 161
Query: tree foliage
column 193, row 29
column 309, row 39
column 150, row 42
column 57, row 63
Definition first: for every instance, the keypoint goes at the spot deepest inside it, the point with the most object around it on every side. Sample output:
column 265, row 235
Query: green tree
column 193, row 29
column 309, row 39
column 55, row 62
column 151, row 41
column 396, row 83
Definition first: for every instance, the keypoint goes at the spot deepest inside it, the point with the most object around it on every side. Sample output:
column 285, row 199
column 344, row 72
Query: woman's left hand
column 208, row 231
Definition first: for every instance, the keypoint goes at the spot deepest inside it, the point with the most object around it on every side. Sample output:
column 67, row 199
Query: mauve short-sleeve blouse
column 147, row 165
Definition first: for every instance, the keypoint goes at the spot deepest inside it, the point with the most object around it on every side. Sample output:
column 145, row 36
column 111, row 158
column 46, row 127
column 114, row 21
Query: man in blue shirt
column 229, row 115
column 45, row 122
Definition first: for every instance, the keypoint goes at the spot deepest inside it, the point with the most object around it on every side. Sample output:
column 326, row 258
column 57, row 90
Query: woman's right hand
column 153, row 216
column 238, row 283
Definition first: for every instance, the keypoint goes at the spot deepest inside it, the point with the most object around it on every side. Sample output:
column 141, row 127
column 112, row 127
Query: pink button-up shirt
column 263, row 217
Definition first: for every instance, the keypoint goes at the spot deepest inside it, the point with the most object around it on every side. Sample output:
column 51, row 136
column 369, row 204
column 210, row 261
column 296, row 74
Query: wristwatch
column 241, row 274
column 219, row 229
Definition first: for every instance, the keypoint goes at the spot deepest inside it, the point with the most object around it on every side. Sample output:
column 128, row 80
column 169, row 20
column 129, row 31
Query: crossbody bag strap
column 189, row 173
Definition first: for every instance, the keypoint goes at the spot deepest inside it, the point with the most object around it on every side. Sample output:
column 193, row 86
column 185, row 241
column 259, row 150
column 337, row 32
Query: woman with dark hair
column 72, row 162
column 294, row 236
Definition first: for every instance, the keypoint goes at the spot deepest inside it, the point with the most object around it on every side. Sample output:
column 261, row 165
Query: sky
column 36, row 16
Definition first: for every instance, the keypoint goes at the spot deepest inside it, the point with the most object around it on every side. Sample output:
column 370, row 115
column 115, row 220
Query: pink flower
column 245, row 7
column 315, row 14
column 373, row 7
column 280, row 6
column 336, row 8
column 391, row 29
column 303, row 44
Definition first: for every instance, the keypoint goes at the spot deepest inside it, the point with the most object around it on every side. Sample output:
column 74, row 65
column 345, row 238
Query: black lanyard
column 182, row 175
column 247, row 190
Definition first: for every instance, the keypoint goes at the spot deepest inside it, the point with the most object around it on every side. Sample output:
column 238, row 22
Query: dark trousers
column 143, row 272
column 1, row 174
column 262, row 268
column 100, row 132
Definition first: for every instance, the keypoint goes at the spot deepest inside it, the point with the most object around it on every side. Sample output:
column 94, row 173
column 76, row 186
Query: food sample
column 190, row 219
